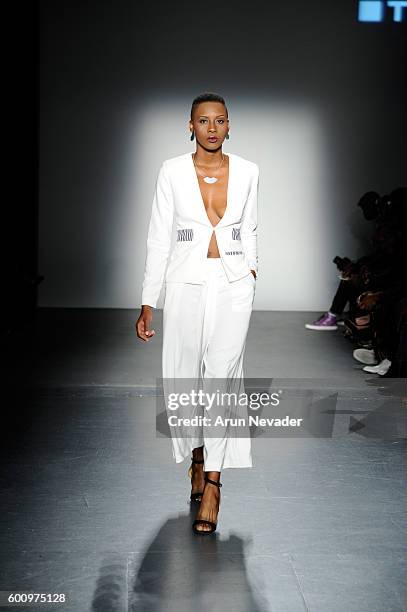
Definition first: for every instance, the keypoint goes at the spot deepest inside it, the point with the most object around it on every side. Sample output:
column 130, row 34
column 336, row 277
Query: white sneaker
column 381, row 369
column 365, row 356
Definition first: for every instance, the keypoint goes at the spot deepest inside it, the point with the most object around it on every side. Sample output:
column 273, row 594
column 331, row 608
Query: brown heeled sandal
column 195, row 497
column 200, row 521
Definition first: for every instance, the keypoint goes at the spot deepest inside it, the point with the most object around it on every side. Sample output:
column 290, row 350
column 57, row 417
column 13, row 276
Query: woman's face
column 210, row 124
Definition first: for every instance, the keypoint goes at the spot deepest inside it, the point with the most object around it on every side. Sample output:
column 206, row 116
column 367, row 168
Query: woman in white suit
column 209, row 291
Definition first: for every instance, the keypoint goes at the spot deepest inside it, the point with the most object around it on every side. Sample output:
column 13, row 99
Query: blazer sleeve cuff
column 147, row 299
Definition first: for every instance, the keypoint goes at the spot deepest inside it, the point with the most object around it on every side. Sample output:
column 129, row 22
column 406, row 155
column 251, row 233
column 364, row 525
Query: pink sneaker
column 326, row 322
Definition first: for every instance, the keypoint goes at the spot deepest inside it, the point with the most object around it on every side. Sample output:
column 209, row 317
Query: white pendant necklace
column 209, row 179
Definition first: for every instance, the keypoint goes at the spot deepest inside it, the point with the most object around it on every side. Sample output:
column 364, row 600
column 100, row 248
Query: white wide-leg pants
column 204, row 337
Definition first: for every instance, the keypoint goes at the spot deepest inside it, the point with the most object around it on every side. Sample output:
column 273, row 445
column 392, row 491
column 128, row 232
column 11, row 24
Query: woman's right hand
column 143, row 324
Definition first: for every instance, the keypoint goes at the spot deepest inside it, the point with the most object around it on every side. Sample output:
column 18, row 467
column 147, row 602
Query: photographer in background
column 352, row 281
column 375, row 285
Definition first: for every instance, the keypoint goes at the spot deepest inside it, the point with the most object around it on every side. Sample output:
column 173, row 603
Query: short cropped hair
column 207, row 96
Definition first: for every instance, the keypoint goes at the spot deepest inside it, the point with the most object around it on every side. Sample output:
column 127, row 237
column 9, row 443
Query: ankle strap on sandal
column 197, row 460
column 218, row 484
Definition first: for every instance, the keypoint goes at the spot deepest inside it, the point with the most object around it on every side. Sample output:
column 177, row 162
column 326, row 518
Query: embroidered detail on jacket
column 185, row 234
column 233, row 252
column 235, row 233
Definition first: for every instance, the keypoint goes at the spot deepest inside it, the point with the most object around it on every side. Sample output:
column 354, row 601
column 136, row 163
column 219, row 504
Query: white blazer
column 178, row 199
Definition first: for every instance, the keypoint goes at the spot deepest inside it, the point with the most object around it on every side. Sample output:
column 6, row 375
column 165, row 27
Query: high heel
column 205, row 521
column 195, row 497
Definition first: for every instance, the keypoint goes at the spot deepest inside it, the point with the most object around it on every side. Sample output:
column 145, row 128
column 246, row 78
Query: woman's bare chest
column 214, row 195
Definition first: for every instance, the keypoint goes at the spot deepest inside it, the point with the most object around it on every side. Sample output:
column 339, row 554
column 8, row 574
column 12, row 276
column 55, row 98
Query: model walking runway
column 210, row 279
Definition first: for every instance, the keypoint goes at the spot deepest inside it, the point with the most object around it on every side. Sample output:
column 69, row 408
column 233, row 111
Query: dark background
column 81, row 70
column 102, row 63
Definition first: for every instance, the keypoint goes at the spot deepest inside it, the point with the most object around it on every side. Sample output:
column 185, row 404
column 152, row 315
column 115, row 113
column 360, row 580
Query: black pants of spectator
column 346, row 292
column 385, row 333
column 399, row 361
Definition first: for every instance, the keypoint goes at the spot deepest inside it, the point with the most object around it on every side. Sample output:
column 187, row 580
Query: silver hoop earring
column 192, row 135
column 227, row 136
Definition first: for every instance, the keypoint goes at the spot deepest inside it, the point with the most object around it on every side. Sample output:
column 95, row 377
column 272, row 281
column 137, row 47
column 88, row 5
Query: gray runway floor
column 94, row 506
